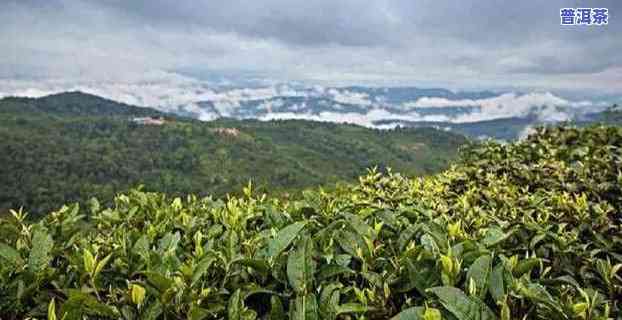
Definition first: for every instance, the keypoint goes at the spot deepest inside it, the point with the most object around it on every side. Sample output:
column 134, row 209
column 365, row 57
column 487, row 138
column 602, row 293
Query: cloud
column 366, row 119
column 308, row 23
column 508, row 100
column 463, row 45
column 198, row 112
column 544, row 105
column 348, row 97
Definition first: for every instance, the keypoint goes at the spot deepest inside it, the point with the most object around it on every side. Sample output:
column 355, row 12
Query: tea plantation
column 530, row 230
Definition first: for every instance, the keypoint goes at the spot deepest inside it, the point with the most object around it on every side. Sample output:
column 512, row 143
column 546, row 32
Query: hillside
column 69, row 147
column 508, row 129
column 71, row 104
column 530, row 230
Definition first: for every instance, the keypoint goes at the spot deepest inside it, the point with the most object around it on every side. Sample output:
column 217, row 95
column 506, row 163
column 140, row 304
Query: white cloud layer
column 545, row 106
column 512, row 105
column 207, row 101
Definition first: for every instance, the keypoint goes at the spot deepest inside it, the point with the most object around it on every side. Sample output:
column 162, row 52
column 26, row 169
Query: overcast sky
column 456, row 44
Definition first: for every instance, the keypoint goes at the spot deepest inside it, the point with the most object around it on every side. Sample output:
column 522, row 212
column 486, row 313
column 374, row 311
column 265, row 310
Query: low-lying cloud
column 547, row 106
column 206, row 101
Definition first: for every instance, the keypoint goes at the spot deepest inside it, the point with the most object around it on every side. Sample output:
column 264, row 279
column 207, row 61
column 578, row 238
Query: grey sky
column 458, row 44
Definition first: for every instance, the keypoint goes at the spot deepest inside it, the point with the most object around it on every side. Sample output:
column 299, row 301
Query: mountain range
column 504, row 115
column 478, row 114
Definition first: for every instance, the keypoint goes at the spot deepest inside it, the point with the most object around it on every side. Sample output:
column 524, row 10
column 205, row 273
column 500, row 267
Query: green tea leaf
column 358, row 225
column 284, row 238
column 141, row 247
column 352, row 308
column 81, row 304
column 479, row 271
column 420, row 275
column 137, row 293
column 169, row 242
column 462, row 306
column 329, row 301
column 304, row 308
column 100, row 266
column 42, row 244
column 332, row 270
column 276, row 309
column 538, row 293
column 432, row 314
column 10, row 255
column 301, row 266
column 235, row 306
column 89, row 261
column 153, row 311
column 496, row 286
column 525, row 266
column 159, row 281
column 52, row 310
column 198, row 313
column 202, row 267
column 414, row 313
column 495, row 236
column 406, row 236
column 261, row 266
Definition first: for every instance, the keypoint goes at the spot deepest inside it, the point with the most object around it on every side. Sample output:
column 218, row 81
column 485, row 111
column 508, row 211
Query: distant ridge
column 325, row 108
column 74, row 103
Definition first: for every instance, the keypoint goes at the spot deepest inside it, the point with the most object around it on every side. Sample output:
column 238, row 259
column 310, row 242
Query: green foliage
column 301, row 266
column 530, row 230
column 71, row 147
column 39, row 256
column 461, row 305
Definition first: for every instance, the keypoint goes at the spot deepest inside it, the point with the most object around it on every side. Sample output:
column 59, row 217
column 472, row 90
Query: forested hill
column 71, row 104
column 70, row 147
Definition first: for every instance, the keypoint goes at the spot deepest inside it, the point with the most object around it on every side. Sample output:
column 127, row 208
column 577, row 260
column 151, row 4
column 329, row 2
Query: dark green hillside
column 69, row 147
column 71, row 104
column 502, row 129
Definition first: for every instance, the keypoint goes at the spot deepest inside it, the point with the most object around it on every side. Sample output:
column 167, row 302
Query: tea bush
column 514, row 231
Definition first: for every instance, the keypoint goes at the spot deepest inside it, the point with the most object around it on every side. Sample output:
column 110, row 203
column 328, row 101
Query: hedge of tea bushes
column 529, row 230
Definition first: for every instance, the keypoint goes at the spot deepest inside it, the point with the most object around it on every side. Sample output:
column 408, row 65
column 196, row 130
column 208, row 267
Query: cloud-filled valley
column 377, row 107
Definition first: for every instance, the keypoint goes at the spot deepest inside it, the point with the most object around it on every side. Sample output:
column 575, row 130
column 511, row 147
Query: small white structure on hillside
column 227, row 131
column 149, row 121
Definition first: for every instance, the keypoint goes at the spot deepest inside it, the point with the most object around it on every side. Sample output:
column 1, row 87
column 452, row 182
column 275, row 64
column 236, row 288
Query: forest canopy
column 70, row 147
